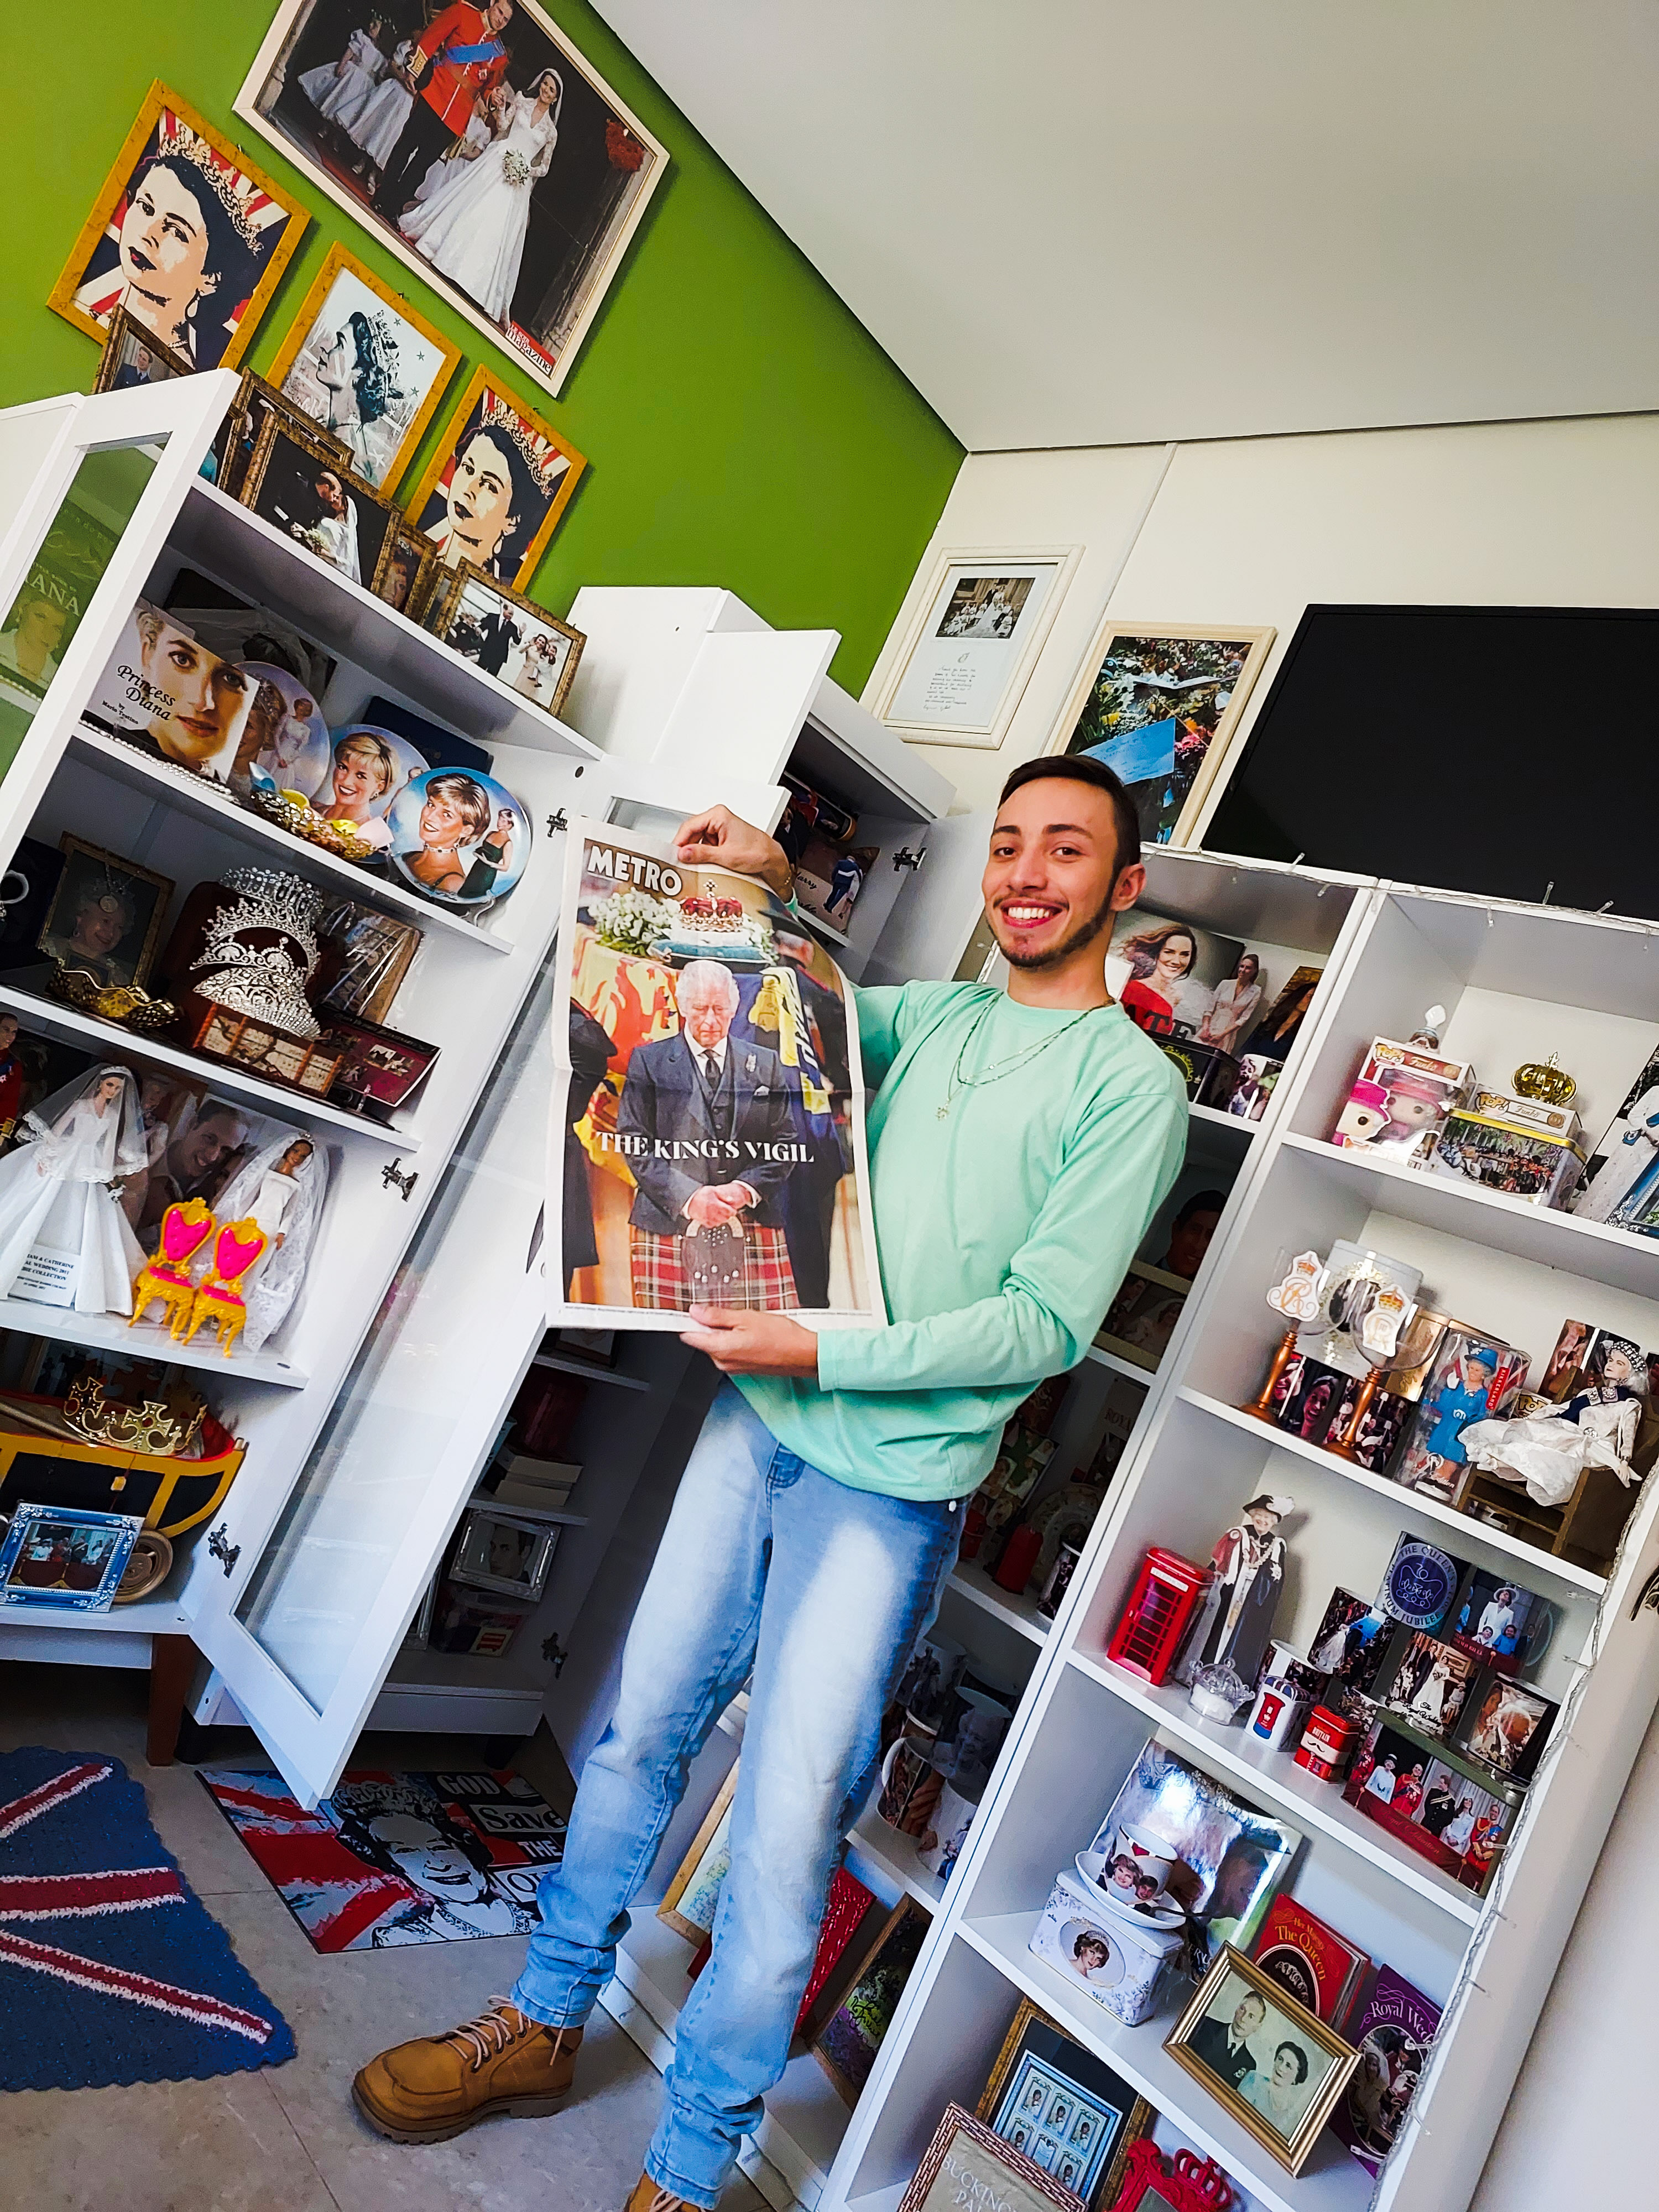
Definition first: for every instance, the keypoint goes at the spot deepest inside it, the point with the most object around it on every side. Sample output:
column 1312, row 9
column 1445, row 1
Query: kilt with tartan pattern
column 657, row 1267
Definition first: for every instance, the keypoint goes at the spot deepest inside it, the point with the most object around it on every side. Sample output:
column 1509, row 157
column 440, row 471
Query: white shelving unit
column 1519, row 982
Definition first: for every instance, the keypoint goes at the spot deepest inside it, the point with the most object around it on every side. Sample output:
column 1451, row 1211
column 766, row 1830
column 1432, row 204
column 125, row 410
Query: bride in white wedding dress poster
column 472, row 228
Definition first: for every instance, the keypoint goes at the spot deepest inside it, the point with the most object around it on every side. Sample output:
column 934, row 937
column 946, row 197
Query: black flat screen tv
column 1512, row 752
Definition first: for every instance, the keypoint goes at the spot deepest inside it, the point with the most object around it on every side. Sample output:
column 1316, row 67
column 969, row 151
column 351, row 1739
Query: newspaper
column 707, row 1141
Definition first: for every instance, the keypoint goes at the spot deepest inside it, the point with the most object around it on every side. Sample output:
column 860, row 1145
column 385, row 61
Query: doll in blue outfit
column 1456, row 1405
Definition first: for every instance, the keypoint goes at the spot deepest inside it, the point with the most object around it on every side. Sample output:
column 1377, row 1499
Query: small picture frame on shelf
column 134, row 356
column 1505, row 1726
column 848, row 2044
column 690, row 1902
column 297, row 482
column 70, row 1561
column 1062, row 2107
column 1141, row 1319
column 232, row 451
column 968, row 2163
column 379, row 1068
column 106, row 915
column 506, row 635
column 408, row 566
column 1274, row 2066
column 1180, row 2181
column 498, row 1552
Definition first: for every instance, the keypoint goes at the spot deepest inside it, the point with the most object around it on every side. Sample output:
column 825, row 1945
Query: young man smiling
column 1019, row 1145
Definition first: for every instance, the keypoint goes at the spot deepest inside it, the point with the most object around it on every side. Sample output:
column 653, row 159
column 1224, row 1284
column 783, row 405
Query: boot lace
column 490, row 2034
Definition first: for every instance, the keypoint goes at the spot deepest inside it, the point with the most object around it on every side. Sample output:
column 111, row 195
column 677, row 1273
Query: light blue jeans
column 766, row 1565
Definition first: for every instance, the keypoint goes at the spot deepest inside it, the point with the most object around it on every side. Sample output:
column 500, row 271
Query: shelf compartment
column 230, row 541
column 1410, row 1501
column 1229, row 1125
column 191, row 794
column 1018, row 1613
column 1275, row 1775
column 144, row 1340
column 887, row 1863
column 564, row 1365
column 1119, row 1365
column 1331, row 2181
column 1543, row 1235
column 87, row 1031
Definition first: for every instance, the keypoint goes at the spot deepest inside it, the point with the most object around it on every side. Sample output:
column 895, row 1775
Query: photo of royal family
column 1276, row 2068
column 476, row 142
column 710, row 1146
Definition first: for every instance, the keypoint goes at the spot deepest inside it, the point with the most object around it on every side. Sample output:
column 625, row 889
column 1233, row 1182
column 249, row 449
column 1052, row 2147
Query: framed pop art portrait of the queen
column 494, row 492
column 185, row 235
column 477, row 142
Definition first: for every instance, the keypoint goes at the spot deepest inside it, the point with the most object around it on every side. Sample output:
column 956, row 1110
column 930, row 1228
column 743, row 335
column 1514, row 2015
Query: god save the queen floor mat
column 111, row 1972
column 397, row 1858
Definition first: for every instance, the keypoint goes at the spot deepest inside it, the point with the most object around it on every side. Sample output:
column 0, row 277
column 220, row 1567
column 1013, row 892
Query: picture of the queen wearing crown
column 185, row 235
column 495, row 489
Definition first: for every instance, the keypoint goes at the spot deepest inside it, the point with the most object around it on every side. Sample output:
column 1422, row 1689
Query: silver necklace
column 995, row 1072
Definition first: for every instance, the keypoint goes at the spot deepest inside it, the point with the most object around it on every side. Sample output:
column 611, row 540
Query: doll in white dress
column 339, row 91
column 473, row 228
column 57, row 1199
column 282, row 1188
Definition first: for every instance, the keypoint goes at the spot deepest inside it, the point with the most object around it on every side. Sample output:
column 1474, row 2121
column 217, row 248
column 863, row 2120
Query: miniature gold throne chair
column 219, row 1300
column 166, row 1274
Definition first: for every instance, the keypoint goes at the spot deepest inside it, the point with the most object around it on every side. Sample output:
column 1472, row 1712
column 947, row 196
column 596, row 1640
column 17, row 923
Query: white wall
column 1251, row 530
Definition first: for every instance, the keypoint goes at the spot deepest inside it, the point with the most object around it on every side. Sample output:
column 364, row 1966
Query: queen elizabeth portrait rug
column 110, row 1969
column 397, row 1858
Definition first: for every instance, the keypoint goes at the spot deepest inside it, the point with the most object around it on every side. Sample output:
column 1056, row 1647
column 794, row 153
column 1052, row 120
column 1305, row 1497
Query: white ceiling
column 1084, row 222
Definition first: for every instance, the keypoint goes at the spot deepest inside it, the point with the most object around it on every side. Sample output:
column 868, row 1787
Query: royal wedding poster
column 707, row 1138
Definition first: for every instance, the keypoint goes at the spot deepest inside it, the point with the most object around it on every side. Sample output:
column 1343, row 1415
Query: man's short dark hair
column 1201, row 1201
column 1078, row 767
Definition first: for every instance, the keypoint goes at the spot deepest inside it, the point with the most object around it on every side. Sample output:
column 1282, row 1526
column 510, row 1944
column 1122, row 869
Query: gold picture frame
column 1114, row 652
column 299, row 432
column 406, row 554
column 968, row 2163
column 125, row 336
column 258, row 222
column 342, row 272
column 1234, row 1982
column 697, row 1869
column 456, row 595
column 518, row 445
column 1137, row 2118
column 233, row 448
column 82, row 864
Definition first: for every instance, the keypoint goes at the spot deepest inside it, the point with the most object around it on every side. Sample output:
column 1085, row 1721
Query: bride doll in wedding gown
column 473, row 226
column 55, row 1192
column 282, row 1188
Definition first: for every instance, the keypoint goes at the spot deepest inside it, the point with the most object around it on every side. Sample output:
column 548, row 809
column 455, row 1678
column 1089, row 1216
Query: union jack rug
column 110, row 1969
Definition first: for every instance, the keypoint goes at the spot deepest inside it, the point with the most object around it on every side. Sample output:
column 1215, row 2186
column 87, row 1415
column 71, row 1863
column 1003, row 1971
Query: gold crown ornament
column 1546, row 1081
column 151, row 1428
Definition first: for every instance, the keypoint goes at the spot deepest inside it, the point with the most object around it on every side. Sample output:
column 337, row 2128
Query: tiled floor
column 288, row 2139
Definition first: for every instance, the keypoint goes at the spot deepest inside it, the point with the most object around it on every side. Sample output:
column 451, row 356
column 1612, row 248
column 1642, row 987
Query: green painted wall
column 742, row 427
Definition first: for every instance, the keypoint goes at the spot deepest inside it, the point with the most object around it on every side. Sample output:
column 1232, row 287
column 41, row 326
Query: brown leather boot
column 438, row 2086
column 647, row 2197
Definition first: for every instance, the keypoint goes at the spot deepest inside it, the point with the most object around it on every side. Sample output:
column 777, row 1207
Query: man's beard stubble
column 1085, row 934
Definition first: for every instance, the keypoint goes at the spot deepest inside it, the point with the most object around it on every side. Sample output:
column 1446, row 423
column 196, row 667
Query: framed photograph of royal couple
column 1159, row 704
column 186, row 234
column 506, row 635
column 478, row 143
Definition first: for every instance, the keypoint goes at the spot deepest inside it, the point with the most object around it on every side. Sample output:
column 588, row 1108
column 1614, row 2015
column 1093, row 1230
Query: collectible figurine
column 1626, row 1152
column 63, row 1238
column 1234, row 1621
column 1472, row 1379
column 1365, row 1113
column 282, row 1189
column 11, row 1075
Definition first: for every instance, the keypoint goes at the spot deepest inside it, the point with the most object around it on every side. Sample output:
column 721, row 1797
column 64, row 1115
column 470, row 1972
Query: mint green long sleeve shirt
column 1004, row 1229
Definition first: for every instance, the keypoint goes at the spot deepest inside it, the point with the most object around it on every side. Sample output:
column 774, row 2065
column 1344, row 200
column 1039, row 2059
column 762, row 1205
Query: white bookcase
column 1519, row 982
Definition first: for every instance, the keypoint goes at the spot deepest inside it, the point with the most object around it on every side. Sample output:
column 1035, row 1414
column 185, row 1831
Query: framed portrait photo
column 491, row 158
column 505, row 634
column 846, row 2045
column 690, row 1901
column 362, row 364
column 74, row 1560
column 968, row 2163
column 1274, row 2065
column 296, row 483
column 1062, row 2107
column 1183, row 2182
column 105, row 916
column 1142, row 1317
column 133, row 355
column 185, row 235
column 499, row 1552
column 970, row 651
column 408, row 568
column 1158, row 703
column 496, row 488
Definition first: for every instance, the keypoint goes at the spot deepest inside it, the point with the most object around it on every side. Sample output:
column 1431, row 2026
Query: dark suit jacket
column 1209, row 2041
column 590, row 1055
column 665, row 1106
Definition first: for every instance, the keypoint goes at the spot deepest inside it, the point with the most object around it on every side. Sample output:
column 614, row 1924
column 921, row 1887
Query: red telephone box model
column 1148, row 1636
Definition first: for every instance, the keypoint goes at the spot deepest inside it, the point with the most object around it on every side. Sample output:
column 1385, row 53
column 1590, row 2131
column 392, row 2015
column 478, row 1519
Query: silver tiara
column 217, row 176
column 498, row 416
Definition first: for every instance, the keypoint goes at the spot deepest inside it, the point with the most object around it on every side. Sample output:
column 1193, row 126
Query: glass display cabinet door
column 306, row 1646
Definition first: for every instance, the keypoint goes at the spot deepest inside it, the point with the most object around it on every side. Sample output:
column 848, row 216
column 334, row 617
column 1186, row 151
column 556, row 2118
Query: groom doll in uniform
column 705, row 1125
column 458, row 62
